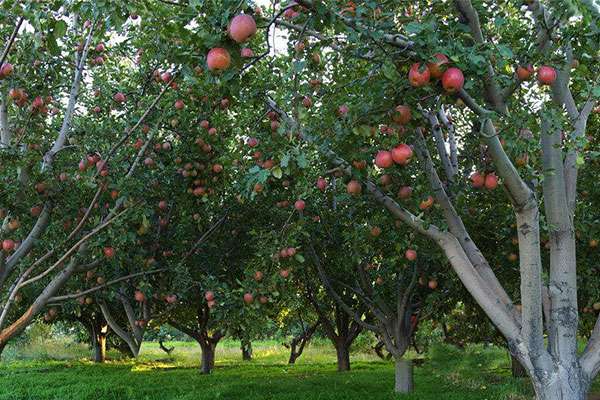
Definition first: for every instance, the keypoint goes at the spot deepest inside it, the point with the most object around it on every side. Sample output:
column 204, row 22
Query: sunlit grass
column 447, row 373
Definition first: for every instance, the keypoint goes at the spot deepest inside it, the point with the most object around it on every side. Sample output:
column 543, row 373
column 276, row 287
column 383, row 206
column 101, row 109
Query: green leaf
column 277, row 172
column 60, row 29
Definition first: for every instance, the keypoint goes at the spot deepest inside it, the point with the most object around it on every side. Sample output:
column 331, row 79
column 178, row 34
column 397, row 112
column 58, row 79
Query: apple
column 139, row 296
column 491, row 181
column 453, row 80
column 8, row 245
column 432, row 284
column 284, row 273
column 401, row 154
column 241, row 28
column 148, row 162
column 218, row 59
column 375, row 231
column 477, row 180
column 379, row 281
column 426, row 204
column 263, row 299
column 299, row 205
column 354, row 187
column 418, row 75
column 119, row 97
column 384, row 159
column 204, row 124
column 343, row 110
column 165, row 77
column 512, row 257
column 405, row 192
column 109, row 252
column 209, row 295
column 252, row 142
column 248, row 298
column 217, row 168
column 385, row 180
column 290, row 251
column 246, row 52
column 6, row 70
column 402, row 114
column 35, row 211
column 100, row 47
column 436, row 68
column 546, row 75
column 307, row 102
column 179, row 105
column 258, row 276
column 410, row 254
column 321, row 184
column 593, row 243
column 524, row 73
column 596, row 306
column 171, row 299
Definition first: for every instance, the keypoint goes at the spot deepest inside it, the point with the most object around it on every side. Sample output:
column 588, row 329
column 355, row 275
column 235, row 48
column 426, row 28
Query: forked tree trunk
column 567, row 384
column 208, row 358
column 343, row 355
column 404, row 376
column 518, row 371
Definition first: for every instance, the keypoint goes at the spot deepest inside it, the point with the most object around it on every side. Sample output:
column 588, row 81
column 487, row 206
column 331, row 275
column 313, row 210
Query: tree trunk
column 2, row 346
column 343, row 355
column 246, row 347
column 293, row 355
column 100, row 348
column 565, row 382
column 518, row 371
column 404, row 376
column 208, row 358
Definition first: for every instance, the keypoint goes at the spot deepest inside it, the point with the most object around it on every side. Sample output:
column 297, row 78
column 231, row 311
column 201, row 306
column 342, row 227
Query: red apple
column 436, row 67
column 418, row 75
column 8, row 245
column 218, row 59
column 354, row 187
column 179, row 104
column 299, row 205
column 119, row 97
column 252, row 142
column 405, row 192
column 246, row 52
column 139, row 296
column 248, row 298
column 284, row 273
column 109, row 252
column 258, row 276
column 321, row 184
column 402, row 115
column 546, row 75
column 410, row 254
column 384, row 159
column 453, row 80
column 402, row 154
column 6, row 70
column 477, row 180
column 242, row 27
column 209, row 295
column 524, row 73
column 343, row 110
column 491, row 181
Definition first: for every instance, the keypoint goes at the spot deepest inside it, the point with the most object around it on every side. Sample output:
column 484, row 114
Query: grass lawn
column 446, row 374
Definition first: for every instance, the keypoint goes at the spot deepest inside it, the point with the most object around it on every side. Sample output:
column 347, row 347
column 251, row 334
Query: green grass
column 64, row 373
